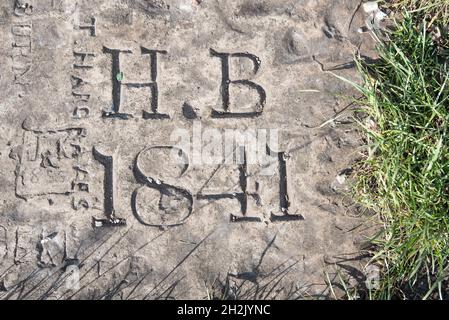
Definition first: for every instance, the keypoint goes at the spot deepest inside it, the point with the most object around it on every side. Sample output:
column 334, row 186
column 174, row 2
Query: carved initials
column 226, row 82
column 117, row 85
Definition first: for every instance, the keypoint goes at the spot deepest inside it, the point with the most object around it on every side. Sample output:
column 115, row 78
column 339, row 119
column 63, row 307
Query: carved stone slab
column 177, row 148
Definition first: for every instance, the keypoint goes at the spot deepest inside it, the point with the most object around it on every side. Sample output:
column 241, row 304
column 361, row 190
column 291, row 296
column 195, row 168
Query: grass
column 404, row 176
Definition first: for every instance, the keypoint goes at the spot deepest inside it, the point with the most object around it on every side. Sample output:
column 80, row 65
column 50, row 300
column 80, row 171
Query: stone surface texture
column 86, row 146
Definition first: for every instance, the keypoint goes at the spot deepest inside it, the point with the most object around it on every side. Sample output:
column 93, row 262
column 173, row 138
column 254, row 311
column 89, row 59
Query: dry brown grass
column 433, row 10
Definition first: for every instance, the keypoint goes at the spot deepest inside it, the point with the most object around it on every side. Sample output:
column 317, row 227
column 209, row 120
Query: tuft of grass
column 405, row 173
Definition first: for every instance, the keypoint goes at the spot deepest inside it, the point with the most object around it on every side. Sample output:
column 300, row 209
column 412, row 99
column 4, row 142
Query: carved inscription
column 110, row 191
column 23, row 8
column 118, row 83
column 46, row 162
column 241, row 197
column 81, row 99
column 158, row 202
column 55, row 159
column 21, row 54
column 169, row 205
column 227, row 82
column 90, row 26
column 82, row 63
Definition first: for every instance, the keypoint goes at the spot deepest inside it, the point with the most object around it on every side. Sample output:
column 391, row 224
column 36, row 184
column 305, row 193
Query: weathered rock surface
column 99, row 200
